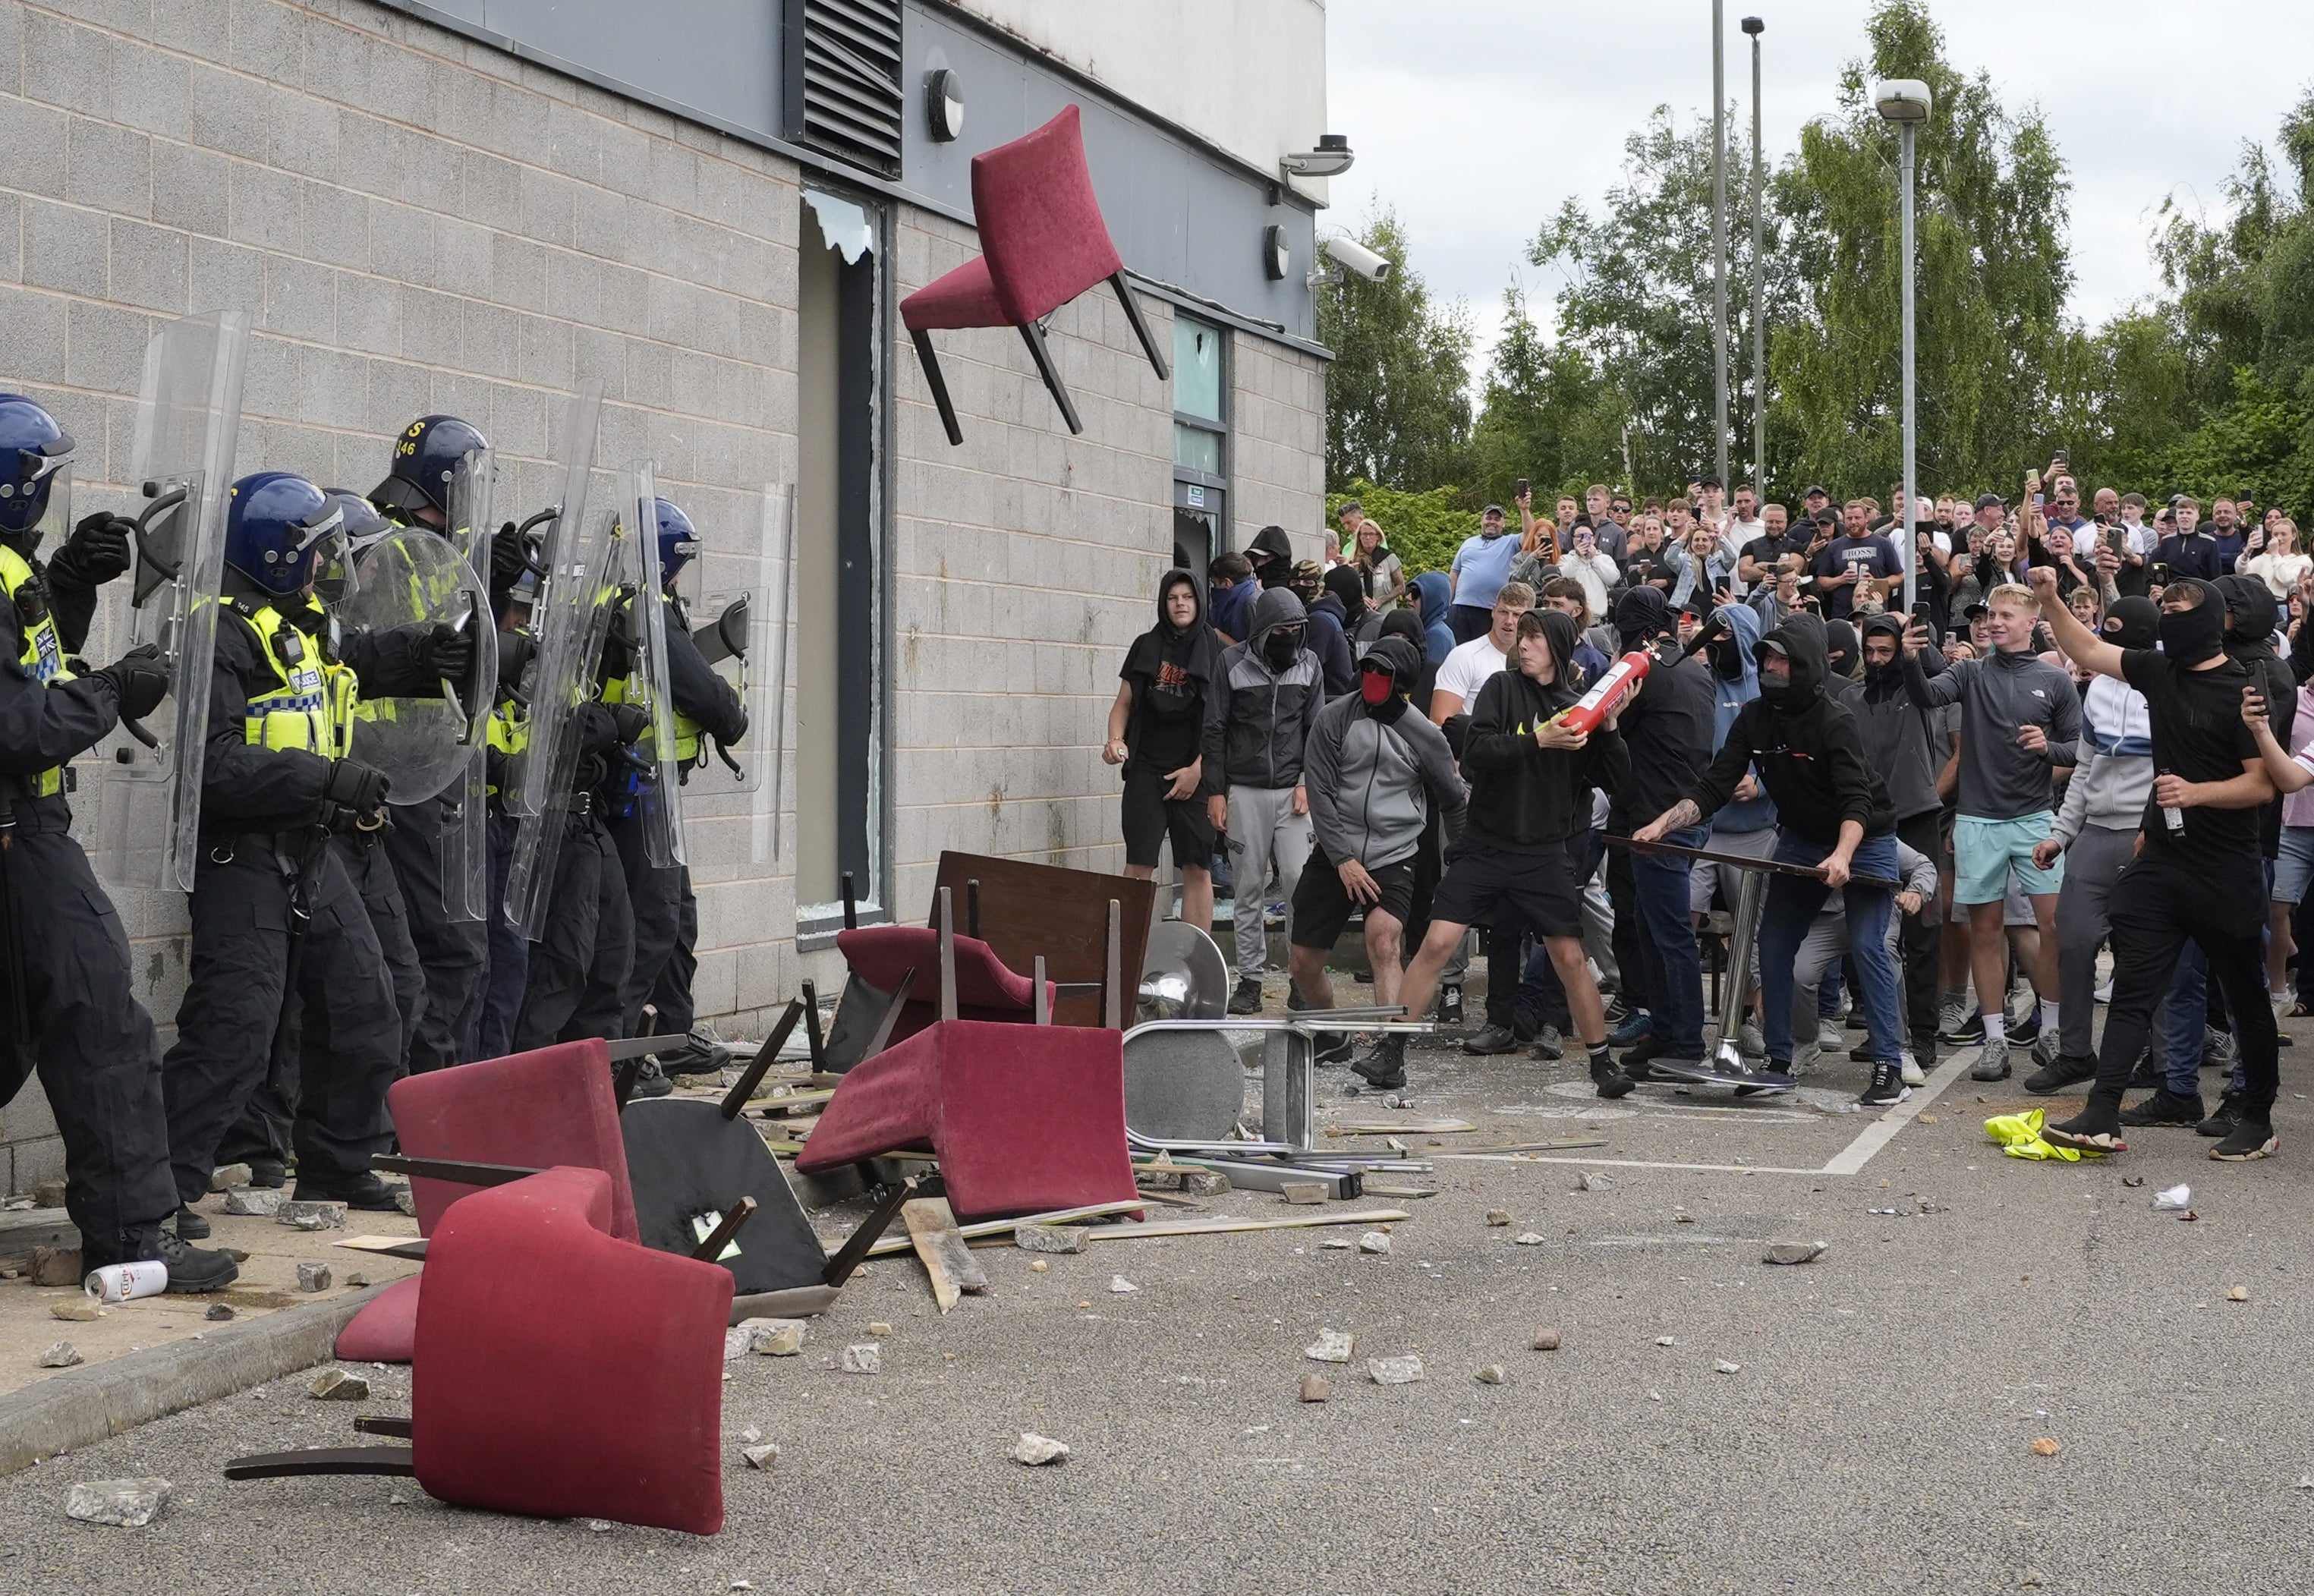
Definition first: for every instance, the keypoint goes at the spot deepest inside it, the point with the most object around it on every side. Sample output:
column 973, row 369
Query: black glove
column 629, row 722
column 508, row 555
column 447, row 652
column 355, row 786
column 140, row 681
column 96, row 552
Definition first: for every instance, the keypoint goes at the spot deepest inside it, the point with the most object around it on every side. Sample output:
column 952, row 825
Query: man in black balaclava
column 1156, row 731
column 1900, row 740
column 1833, row 816
column 2197, row 874
column 1374, row 774
column 1840, row 659
column 1668, row 728
column 1272, row 554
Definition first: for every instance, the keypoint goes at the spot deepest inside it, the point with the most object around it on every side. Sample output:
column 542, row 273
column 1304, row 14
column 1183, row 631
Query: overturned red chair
column 1043, row 242
column 533, row 1312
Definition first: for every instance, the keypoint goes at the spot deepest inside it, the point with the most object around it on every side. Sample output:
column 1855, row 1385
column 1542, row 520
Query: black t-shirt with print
column 2197, row 733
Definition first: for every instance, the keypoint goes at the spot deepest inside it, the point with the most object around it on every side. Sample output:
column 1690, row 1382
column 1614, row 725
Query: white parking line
column 1883, row 1131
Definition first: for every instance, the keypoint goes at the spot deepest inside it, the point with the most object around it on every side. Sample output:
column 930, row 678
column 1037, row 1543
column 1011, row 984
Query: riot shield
column 412, row 580
column 659, row 795
column 562, row 609
column 737, row 603
column 188, row 427
column 464, row 845
column 579, row 605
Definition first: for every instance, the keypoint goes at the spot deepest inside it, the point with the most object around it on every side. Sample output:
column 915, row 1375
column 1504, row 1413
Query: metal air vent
column 842, row 62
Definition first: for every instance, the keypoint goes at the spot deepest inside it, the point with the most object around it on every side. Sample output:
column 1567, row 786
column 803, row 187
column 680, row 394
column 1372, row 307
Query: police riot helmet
column 426, row 457
column 678, row 539
column 276, row 525
column 35, row 458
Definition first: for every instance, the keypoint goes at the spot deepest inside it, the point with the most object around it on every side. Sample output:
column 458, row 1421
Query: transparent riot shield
column 411, row 581
column 735, row 598
column 659, row 794
column 573, row 560
column 576, row 603
column 464, row 838
column 188, row 427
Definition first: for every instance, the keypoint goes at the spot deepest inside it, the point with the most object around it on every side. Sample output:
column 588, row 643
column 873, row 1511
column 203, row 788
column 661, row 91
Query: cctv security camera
column 1358, row 260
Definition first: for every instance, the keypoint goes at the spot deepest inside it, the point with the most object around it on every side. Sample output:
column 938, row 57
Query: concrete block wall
column 417, row 222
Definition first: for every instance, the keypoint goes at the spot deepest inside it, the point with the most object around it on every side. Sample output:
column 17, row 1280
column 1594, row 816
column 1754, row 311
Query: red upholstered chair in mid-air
column 553, row 1105
column 1025, row 1118
column 1043, row 242
column 560, row 1371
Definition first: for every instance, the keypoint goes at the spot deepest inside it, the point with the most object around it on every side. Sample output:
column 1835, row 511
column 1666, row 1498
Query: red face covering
column 1375, row 686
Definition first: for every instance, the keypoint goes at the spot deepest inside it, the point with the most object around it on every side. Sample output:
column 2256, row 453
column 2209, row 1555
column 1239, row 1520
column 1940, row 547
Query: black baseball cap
column 1979, row 608
column 1815, row 493
column 1990, row 501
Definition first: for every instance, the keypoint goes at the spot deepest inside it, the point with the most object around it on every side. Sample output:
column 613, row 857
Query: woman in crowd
column 1154, row 727
column 2277, row 563
column 1382, row 572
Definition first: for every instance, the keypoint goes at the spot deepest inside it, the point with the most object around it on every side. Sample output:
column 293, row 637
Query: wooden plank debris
column 933, row 1233
column 1215, row 1227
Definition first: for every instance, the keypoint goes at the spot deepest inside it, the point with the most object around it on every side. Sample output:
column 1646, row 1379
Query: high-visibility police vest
column 43, row 658
column 312, row 708
column 626, row 689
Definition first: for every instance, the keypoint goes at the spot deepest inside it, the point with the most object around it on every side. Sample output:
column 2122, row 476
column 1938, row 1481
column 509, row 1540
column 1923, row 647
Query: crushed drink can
column 125, row 1282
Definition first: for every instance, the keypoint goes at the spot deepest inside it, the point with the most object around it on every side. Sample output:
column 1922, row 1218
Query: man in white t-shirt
column 1745, row 523
column 1464, row 671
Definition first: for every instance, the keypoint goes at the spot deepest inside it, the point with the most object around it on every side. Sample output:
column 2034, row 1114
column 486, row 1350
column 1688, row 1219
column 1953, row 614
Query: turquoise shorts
column 1986, row 851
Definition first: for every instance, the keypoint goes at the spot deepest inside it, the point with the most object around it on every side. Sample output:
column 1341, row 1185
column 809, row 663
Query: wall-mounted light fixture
column 943, row 105
column 1277, row 253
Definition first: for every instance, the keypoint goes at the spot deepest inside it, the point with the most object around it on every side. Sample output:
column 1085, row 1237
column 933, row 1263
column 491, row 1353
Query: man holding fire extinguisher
column 1534, row 750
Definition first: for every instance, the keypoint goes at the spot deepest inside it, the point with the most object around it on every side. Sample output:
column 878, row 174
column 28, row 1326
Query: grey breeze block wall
column 417, row 222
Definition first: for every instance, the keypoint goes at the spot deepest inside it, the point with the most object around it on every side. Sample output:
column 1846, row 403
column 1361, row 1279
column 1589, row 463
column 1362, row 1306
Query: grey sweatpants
column 1263, row 831
column 2092, row 865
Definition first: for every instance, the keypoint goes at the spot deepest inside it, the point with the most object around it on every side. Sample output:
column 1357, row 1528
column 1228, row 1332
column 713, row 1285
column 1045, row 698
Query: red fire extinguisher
column 1592, row 707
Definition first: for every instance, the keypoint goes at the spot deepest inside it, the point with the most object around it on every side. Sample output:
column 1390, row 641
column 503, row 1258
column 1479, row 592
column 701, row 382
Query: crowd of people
column 1972, row 757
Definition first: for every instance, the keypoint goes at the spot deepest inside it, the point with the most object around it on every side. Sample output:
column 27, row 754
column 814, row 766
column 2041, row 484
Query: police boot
column 650, row 1081
column 698, row 1055
column 268, row 1172
column 364, row 1191
column 190, row 1268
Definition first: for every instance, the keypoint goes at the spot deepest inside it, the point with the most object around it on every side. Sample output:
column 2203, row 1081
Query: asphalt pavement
column 1875, row 1434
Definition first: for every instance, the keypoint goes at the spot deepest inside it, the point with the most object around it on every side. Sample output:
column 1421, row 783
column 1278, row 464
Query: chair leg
column 1140, row 328
column 939, row 386
column 1034, row 336
column 324, row 1460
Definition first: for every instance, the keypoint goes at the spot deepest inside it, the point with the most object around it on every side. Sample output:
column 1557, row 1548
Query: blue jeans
column 1674, row 966
column 1792, row 904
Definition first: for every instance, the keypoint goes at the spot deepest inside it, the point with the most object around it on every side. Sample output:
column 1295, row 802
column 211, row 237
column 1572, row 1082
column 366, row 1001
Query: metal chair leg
column 1034, row 337
column 937, row 383
column 1140, row 327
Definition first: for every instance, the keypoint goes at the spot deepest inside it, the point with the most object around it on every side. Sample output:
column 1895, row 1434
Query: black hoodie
column 1172, row 672
column 2251, row 615
column 1808, row 748
column 1524, row 798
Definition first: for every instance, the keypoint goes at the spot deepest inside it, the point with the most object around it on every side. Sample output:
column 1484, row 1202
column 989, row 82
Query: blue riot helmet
column 278, row 528
column 425, row 458
column 334, row 579
column 35, row 473
column 678, row 539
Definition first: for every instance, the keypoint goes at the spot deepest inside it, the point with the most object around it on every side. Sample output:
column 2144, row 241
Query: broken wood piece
column 390, row 1246
column 1004, row 1227
column 1376, row 1189
column 1213, row 1227
column 1398, row 1127
column 1564, row 1144
column 933, row 1233
column 464, row 1172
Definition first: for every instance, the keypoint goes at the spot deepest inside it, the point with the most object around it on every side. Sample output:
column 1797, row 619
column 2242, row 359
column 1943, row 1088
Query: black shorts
column 1150, row 817
column 1538, row 890
column 1323, row 906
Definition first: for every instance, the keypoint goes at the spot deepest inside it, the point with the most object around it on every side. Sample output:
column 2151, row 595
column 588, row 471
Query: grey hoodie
column 1999, row 780
column 1259, row 716
column 1371, row 782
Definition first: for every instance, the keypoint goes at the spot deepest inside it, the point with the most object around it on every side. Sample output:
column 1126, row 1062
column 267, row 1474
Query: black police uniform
column 71, row 1012
column 266, row 867
column 579, row 968
column 666, row 914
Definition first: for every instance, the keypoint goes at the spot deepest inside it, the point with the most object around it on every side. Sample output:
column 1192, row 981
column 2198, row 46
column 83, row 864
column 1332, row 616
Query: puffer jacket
column 1259, row 715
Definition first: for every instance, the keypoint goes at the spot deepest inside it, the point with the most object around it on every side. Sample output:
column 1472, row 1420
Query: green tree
column 1548, row 415
column 1995, row 352
column 1397, row 406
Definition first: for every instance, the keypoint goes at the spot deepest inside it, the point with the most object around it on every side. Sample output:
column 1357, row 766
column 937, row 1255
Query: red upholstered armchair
column 553, row 1105
column 534, row 1313
column 1043, row 242
column 986, row 987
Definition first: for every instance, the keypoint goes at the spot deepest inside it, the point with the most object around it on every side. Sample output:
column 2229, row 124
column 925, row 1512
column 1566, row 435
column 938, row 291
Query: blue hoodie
column 1757, row 813
column 1436, row 594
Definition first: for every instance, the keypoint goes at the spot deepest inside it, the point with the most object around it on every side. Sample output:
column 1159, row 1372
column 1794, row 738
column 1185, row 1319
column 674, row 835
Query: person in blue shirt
column 1482, row 565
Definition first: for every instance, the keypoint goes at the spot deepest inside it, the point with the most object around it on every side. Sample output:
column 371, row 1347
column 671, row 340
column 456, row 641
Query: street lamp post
column 1720, row 231
column 1754, row 26
column 1905, row 102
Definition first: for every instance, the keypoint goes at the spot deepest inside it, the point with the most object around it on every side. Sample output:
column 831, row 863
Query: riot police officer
column 70, row 1009
column 276, row 918
column 666, row 914
column 415, row 493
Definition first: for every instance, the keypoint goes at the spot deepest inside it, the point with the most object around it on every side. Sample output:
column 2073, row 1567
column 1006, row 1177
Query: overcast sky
column 1475, row 119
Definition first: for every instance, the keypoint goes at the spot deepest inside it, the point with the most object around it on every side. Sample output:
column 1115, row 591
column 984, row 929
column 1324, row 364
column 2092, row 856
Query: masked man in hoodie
column 2198, row 874
column 1265, row 693
column 1520, row 858
column 1900, row 740
column 1833, row 816
column 1156, row 731
column 1374, row 773
column 1747, row 824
